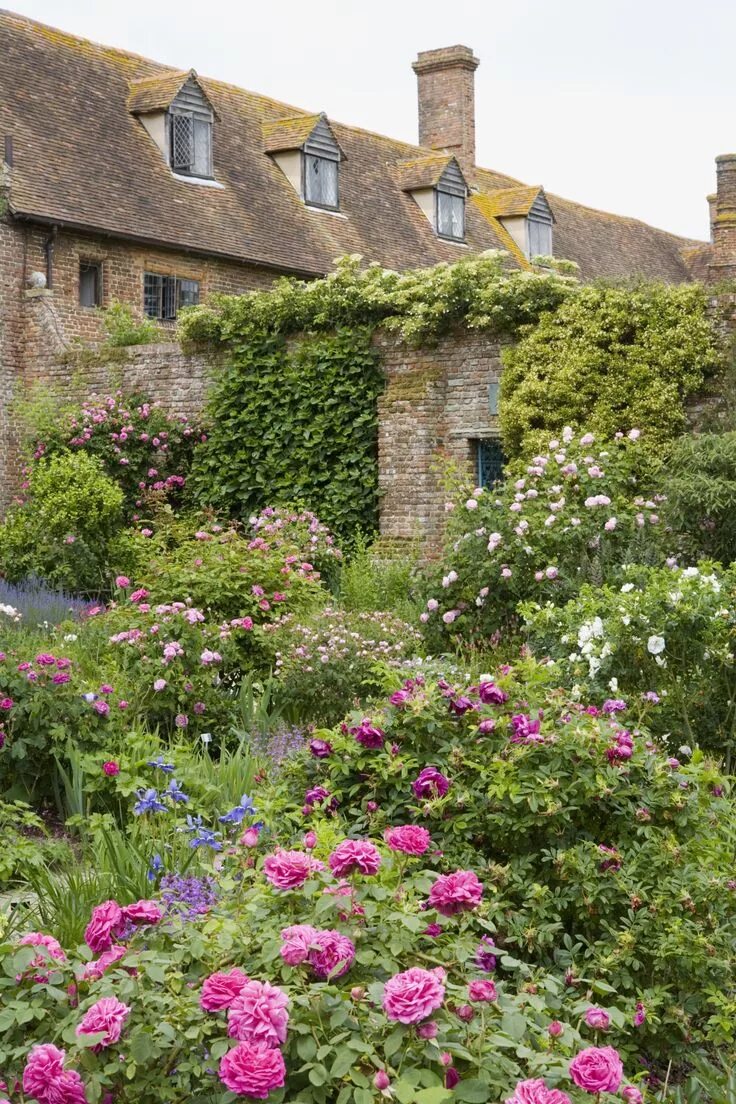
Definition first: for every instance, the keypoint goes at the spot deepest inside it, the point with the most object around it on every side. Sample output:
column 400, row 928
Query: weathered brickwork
column 435, row 409
column 11, row 284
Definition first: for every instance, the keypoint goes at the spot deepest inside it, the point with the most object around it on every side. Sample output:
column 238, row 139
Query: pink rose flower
column 631, row 1094
column 220, row 990
column 598, row 1018
column 290, row 869
column 536, row 1092
column 259, row 1014
column 106, row 920
column 39, row 939
column 381, row 1080
column 409, row 838
column 253, row 1069
column 297, row 941
column 413, row 995
column 46, row 1080
column 353, row 855
column 458, row 892
column 97, row 967
column 143, row 912
column 331, row 955
column 108, row 1015
column 597, row 1069
column 483, row 990
column 122, row 581
column 111, row 768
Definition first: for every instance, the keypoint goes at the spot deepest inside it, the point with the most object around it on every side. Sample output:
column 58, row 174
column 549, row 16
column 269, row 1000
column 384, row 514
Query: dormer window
column 450, row 195
column 436, row 184
column 190, row 143
column 178, row 115
column 307, row 152
column 525, row 215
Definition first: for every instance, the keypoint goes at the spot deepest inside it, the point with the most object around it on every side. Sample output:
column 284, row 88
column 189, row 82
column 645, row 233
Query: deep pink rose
column 458, row 892
column 40, row 939
column 97, row 967
column 409, row 838
column 253, row 1069
column 430, row 783
column 259, row 1014
column 143, row 912
column 220, row 990
column 111, row 768
column 297, row 941
column 413, row 995
column 108, row 1015
column 597, row 1069
column 597, row 1018
column 631, row 1094
column 536, row 1092
column 332, row 954
column 290, row 869
column 353, row 855
column 46, row 1080
column 482, row 991
column 107, row 920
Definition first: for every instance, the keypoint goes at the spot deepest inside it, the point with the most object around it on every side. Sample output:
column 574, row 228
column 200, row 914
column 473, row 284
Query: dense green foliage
column 607, row 358
column 699, row 483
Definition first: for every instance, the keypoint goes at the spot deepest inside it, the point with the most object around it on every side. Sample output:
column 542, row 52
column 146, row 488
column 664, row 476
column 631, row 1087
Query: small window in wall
column 540, row 238
column 450, row 216
column 489, row 461
column 320, row 181
column 90, row 284
column 163, row 296
column 191, row 144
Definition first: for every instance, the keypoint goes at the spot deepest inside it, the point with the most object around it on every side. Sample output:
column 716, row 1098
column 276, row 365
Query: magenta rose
column 51, row 946
column 290, row 869
column 368, row 734
column 143, row 912
column 45, row 1078
column 107, row 1015
column 458, row 892
column 597, row 1069
column 413, row 995
column 97, row 967
column 296, row 943
column 219, row 990
column 479, row 991
column 409, row 838
column 430, row 783
column 106, row 921
column 536, row 1092
column 259, row 1014
column 332, row 954
column 353, row 855
column 253, row 1069
column 597, row 1018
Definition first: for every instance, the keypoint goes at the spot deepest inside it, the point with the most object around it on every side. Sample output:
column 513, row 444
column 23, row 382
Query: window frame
column 169, row 294
column 306, row 155
column 96, row 266
column 452, row 195
column 477, row 444
column 196, row 118
column 547, row 224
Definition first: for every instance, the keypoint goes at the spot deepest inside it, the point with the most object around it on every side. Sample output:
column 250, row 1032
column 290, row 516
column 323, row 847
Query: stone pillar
column 446, row 88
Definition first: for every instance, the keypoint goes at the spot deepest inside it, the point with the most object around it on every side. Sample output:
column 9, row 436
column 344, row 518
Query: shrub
column 62, row 532
column 379, row 577
column 124, row 328
column 609, row 862
column 664, row 636
column 607, row 358
column 575, row 513
column 699, row 482
column 335, row 657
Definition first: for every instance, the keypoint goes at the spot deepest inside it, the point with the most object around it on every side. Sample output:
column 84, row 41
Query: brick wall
column 11, row 287
column 434, row 409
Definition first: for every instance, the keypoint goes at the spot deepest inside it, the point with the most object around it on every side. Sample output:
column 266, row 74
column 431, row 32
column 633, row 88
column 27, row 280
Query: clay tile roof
column 288, row 134
column 509, row 202
column 156, row 93
column 422, row 172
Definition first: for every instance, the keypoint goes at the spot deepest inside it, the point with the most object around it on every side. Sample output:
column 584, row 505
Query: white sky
column 620, row 104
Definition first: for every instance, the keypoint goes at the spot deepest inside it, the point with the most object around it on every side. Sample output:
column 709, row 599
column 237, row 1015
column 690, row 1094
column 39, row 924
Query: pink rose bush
column 220, row 989
column 411, row 839
column 355, row 856
column 259, row 1014
column 535, row 1091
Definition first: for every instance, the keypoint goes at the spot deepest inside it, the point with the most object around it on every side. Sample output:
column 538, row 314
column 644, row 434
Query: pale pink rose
column 297, row 941
column 39, row 939
column 253, row 1069
column 597, row 1069
column 412, row 995
column 97, row 967
column 536, row 1092
column 259, row 1014
column 290, row 869
column 106, row 921
column 353, row 855
column 143, row 912
column 332, row 954
column 458, row 892
column 219, row 990
column 412, row 839
column 108, row 1015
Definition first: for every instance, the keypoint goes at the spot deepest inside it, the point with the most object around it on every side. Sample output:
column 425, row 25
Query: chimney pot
column 446, row 89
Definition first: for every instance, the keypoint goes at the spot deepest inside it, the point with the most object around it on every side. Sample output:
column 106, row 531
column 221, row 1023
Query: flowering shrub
column 663, row 639
column 139, row 445
column 334, row 657
column 312, row 988
column 298, row 531
column 62, row 531
column 603, row 858
column 572, row 514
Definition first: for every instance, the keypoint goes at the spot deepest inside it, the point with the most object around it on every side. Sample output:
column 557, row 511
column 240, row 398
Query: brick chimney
column 446, row 87
column 724, row 222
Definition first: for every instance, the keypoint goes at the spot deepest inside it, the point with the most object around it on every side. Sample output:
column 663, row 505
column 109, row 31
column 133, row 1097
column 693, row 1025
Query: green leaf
column 472, row 1091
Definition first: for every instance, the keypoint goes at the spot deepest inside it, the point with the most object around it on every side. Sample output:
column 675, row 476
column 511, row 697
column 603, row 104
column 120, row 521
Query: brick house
column 125, row 180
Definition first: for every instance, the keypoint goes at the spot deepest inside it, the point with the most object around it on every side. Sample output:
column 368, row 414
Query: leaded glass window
column 320, row 181
column 191, row 144
column 540, row 238
column 163, row 296
column 489, row 461
column 450, row 215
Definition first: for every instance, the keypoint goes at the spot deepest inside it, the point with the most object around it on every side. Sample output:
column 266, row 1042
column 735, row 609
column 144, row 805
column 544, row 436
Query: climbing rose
column 258, row 1014
column 353, row 855
column 597, row 1069
column 482, row 991
column 413, row 995
column 430, row 783
column 108, row 1015
column 536, row 1092
column 143, row 912
column 458, row 892
column 290, row 869
column 409, row 838
column 253, row 1069
column 598, row 1018
column 220, row 990
column 106, row 920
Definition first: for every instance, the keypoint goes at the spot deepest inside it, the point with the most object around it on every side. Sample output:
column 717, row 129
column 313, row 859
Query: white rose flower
column 655, row 645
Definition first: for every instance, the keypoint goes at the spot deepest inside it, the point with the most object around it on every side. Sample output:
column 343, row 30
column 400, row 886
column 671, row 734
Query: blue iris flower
column 238, row 814
column 157, row 864
column 174, row 791
column 167, row 768
column 148, row 802
column 205, row 837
